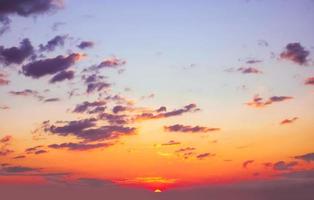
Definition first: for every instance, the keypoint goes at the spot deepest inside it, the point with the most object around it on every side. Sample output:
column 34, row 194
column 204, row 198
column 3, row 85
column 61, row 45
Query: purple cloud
column 16, row 55
column 191, row 129
column 295, row 53
column 61, row 76
column 85, row 44
column 50, row 66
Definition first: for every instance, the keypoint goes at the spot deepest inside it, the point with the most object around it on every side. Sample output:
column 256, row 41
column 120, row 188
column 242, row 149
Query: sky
column 157, row 99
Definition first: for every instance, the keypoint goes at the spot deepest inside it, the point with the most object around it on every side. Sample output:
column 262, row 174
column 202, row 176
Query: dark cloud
column 259, row 102
column 282, row 165
column 171, row 142
column 95, row 82
column 191, row 129
column 85, row 44
column 185, row 149
column 88, row 106
column 79, row 146
column 27, row 93
column 246, row 163
column 97, row 86
column 51, row 100
column 162, row 109
column 36, row 150
column 92, row 182
column 19, row 157
column 295, row 53
column 57, row 41
column 288, row 121
column 19, row 169
column 26, row 8
column 204, row 155
column 309, row 157
column 309, row 81
column 186, row 109
column 249, row 70
column 40, row 152
column 61, row 76
column 50, row 66
column 253, row 61
column 118, row 109
column 87, row 130
column 16, row 55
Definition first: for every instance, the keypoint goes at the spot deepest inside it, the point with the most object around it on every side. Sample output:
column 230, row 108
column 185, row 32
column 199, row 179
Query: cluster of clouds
column 25, row 8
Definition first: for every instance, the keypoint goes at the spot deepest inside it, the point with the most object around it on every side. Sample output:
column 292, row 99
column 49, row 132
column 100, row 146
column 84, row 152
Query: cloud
column 92, row 182
column 85, row 44
column 19, row 169
column 162, row 114
column 191, row 129
column 88, row 106
column 33, row 149
column 57, row 41
column 171, row 142
column 26, row 8
column 295, row 53
column 253, row 61
column 5, row 152
column 3, row 79
column 288, row 121
column 309, row 157
column 113, row 62
column 40, row 152
column 16, row 55
column 204, row 155
column 118, row 109
column 4, row 143
column 6, row 139
column 246, row 163
column 185, row 149
column 51, row 100
column 249, row 70
column 282, row 165
column 309, row 81
column 259, row 102
column 79, row 146
column 61, row 76
column 50, row 66
column 27, row 93
column 36, row 150
column 19, row 157
column 88, row 131
column 95, row 82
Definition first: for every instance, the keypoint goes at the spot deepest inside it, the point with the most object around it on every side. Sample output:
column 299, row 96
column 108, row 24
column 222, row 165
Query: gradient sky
column 160, row 95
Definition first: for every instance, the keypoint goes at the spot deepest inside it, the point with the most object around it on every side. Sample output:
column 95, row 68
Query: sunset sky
column 168, row 96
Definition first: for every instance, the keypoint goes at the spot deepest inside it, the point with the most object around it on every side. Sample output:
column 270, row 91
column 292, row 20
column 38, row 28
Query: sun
column 157, row 190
